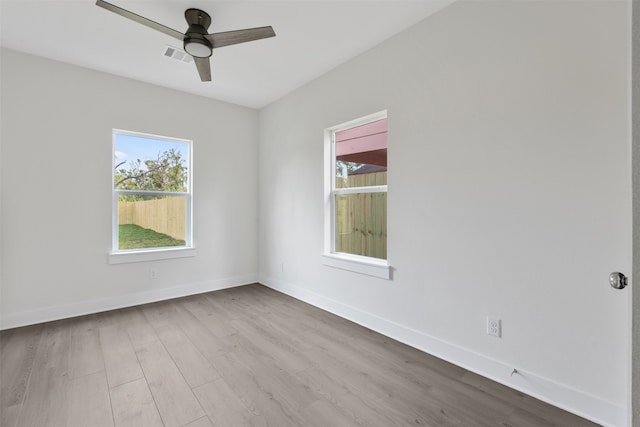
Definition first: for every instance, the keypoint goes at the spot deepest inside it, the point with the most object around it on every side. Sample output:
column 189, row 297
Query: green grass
column 131, row 236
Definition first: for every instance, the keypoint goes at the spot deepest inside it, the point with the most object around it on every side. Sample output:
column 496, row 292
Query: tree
column 166, row 173
column 344, row 169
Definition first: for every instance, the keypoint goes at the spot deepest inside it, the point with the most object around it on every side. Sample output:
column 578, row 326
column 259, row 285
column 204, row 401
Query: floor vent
column 177, row 53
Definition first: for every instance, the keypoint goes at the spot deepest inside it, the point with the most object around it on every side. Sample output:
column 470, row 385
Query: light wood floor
column 246, row 356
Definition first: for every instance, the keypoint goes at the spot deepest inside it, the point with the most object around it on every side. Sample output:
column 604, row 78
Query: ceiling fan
column 197, row 42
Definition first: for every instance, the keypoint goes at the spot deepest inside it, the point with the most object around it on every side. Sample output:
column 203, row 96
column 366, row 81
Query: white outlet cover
column 494, row 327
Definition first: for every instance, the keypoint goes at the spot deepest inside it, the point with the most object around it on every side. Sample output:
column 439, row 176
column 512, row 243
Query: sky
column 130, row 148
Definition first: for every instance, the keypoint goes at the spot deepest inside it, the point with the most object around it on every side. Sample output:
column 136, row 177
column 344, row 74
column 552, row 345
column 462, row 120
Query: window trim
column 118, row 256
column 141, row 255
column 356, row 263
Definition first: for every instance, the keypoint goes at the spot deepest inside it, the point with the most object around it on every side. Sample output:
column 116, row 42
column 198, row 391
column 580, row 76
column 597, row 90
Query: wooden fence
column 165, row 215
column 361, row 218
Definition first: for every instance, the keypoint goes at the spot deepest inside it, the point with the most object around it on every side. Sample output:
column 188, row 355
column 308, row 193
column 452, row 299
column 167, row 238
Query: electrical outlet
column 494, row 327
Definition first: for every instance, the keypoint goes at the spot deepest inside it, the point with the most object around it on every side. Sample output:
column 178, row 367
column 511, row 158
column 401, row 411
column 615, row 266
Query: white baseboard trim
column 48, row 314
column 583, row 404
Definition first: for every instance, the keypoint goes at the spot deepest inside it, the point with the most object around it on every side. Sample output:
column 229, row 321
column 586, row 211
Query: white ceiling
column 312, row 38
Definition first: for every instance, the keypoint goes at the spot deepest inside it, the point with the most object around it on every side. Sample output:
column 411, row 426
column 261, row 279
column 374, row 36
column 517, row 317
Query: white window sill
column 150, row 255
column 358, row 264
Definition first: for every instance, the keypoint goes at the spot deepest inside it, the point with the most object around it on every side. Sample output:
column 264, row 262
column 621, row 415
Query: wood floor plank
column 275, row 379
column 112, row 318
column 140, row 331
column 364, row 400
column 254, row 395
column 293, row 334
column 160, row 313
column 173, row 396
column 215, row 318
column 274, row 347
column 201, row 422
column 88, row 400
column 133, row 405
column 364, row 375
column 46, row 399
column 526, row 419
column 195, row 368
column 17, row 354
column 322, row 413
column 121, row 362
column 209, row 345
column 222, row 405
column 187, row 339
column 458, row 405
column 361, row 407
column 537, row 409
column 85, row 353
column 241, row 303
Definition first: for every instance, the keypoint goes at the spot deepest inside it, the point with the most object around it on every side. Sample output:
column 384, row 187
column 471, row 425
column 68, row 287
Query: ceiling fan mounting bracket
column 197, row 17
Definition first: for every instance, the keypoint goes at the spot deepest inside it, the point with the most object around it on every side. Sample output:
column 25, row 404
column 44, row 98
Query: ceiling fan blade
column 204, row 68
column 239, row 36
column 140, row 19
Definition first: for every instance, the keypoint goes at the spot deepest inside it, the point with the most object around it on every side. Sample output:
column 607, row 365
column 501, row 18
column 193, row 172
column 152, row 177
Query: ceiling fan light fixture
column 198, row 48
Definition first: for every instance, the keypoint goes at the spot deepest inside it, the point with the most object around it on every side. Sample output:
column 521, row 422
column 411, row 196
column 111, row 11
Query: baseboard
column 583, row 404
column 121, row 301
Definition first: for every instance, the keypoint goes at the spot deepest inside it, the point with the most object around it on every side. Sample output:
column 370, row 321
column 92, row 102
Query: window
column 151, row 195
column 356, row 191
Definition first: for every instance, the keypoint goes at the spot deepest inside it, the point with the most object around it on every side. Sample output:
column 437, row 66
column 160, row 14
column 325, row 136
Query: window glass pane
column 361, row 224
column 360, row 175
column 361, row 150
column 142, row 163
column 151, row 221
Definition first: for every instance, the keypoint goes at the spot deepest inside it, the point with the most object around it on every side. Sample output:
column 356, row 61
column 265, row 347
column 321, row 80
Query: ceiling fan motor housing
column 195, row 43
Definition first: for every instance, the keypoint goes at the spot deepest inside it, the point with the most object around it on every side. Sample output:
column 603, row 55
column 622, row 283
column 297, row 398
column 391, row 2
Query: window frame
column 371, row 266
column 119, row 256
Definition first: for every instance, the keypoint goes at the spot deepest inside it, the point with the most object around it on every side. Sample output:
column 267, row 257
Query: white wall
column 56, row 190
column 509, row 194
